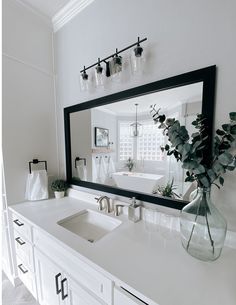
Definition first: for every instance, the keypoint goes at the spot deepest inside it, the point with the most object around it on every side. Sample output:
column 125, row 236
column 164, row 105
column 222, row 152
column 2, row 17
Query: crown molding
column 68, row 12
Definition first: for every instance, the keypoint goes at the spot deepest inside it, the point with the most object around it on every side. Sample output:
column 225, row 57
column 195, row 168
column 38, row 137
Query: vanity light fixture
column 136, row 127
column 113, row 64
column 138, row 50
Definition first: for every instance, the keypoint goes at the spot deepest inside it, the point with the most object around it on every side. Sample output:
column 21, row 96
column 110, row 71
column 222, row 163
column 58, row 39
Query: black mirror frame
column 206, row 75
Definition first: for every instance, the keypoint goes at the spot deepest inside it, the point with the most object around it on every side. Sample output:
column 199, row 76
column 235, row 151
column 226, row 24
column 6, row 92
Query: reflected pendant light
column 136, row 127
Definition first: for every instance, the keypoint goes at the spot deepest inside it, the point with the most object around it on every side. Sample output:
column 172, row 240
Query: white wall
column 182, row 36
column 29, row 123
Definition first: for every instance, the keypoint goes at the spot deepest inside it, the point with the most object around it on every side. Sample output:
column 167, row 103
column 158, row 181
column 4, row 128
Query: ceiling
column 163, row 99
column 47, row 8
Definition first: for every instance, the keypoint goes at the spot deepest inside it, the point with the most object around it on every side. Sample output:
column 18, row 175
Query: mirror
column 113, row 145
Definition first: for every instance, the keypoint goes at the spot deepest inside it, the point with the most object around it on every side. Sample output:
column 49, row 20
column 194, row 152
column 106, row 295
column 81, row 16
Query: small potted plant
column 59, row 187
column 167, row 190
column 130, row 164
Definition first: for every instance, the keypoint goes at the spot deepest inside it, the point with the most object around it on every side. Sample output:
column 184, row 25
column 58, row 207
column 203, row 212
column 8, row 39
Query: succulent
column 59, row 185
column 193, row 152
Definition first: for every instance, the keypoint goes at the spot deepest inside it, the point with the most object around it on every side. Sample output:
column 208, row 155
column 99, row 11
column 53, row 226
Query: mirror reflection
column 119, row 145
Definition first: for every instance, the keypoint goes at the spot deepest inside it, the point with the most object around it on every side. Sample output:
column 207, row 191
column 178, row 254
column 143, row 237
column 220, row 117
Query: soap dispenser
column 134, row 211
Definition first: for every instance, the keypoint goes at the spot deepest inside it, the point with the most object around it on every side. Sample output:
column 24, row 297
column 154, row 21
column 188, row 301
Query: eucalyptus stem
column 192, row 231
column 209, row 233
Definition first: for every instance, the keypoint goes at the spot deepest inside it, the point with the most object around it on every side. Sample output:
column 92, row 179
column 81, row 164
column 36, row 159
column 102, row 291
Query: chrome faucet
column 100, row 205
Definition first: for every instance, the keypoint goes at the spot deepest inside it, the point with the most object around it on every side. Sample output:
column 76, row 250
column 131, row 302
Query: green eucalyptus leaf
column 230, row 168
column 226, row 127
column 221, row 180
column 218, row 168
column 232, row 116
column 167, row 147
column 211, row 175
column 199, row 170
column 230, row 137
column 225, row 158
column 220, row 132
column 233, row 129
column 205, row 182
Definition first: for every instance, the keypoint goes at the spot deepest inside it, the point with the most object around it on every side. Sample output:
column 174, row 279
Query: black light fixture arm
column 114, row 54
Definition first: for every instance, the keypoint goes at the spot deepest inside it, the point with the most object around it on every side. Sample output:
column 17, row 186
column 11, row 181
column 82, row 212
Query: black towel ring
column 36, row 161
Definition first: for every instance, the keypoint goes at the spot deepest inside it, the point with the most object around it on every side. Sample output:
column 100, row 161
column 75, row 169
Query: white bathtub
column 141, row 182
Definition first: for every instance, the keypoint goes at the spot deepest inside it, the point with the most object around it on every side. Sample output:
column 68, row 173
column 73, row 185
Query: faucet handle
column 116, row 209
column 99, row 201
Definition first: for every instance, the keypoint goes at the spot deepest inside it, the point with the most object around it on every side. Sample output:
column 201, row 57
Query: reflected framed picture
column 101, row 137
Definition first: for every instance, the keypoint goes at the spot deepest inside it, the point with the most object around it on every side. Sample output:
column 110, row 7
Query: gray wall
column 182, row 36
column 29, row 118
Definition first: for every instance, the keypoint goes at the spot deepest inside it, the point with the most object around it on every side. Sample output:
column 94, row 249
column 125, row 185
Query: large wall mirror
column 113, row 145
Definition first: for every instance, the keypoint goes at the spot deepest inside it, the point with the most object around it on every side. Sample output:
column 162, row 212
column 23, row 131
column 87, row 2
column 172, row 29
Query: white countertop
column 156, row 267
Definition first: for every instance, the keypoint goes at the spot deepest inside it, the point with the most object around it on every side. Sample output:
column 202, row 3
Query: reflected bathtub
column 141, row 182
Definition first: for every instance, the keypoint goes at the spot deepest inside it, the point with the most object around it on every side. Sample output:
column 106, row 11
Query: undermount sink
column 89, row 224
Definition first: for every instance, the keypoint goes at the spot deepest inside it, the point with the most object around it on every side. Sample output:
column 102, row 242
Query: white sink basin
column 89, row 224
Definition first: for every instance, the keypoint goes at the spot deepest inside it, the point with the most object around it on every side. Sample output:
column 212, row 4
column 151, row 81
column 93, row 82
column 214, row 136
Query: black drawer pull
column 22, row 269
column 63, row 295
column 57, row 285
column 134, row 296
column 16, row 221
column 20, row 242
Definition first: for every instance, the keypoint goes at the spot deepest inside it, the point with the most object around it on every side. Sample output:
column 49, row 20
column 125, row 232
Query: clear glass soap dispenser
column 134, row 211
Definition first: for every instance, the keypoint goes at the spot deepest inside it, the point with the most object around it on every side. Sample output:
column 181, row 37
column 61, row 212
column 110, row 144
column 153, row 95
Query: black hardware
column 16, row 221
column 36, row 161
column 63, row 295
column 22, row 269
column 205, row 75
column 57, row 285
column 19, row 241
column 79, row 159
column 134, row 296
column 112, row 55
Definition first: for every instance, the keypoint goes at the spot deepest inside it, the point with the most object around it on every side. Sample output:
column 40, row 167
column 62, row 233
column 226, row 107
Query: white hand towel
column 95, row 170
column 82, row 172
column 111, row 167
column 37, row 185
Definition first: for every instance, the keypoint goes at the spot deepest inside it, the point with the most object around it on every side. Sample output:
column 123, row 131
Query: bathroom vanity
column 124, row 265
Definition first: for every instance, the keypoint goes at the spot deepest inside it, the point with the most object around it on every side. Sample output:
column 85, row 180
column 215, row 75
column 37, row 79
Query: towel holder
column 36, row 161
column 79, row 159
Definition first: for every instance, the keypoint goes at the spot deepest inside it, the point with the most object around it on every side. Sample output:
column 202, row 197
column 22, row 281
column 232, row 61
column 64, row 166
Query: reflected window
column 146, row 147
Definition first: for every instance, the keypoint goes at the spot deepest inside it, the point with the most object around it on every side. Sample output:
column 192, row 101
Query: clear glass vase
column 202, row 227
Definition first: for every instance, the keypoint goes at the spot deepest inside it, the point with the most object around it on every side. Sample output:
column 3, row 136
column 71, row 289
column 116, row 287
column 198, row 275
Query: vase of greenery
column 59, row 187
column 202, row 227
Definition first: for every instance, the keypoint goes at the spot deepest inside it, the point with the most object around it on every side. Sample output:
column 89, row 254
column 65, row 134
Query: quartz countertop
column 151, row 265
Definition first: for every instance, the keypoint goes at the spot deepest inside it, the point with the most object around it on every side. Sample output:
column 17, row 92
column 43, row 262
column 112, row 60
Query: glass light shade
column 84, row 81
column 137, row 61
column 99, row 76
column 116, row 68
column 136, row 129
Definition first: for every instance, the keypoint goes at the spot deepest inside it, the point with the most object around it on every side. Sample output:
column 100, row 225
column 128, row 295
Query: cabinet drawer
column 80, row 271
column 26, row 276
column 122, row 297
column 21, row 226
column 24, row 250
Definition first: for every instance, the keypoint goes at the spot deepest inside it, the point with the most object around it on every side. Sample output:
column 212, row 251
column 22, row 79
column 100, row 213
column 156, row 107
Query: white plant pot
column 59, row 194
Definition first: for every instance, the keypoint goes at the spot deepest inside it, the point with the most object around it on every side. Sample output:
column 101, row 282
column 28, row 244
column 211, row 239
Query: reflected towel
column 110, row 167
column 37, row 185
column 94, row 169
column 82, row 171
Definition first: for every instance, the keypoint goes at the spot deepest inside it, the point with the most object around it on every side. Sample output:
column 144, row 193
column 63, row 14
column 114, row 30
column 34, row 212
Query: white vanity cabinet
column 55, row 287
